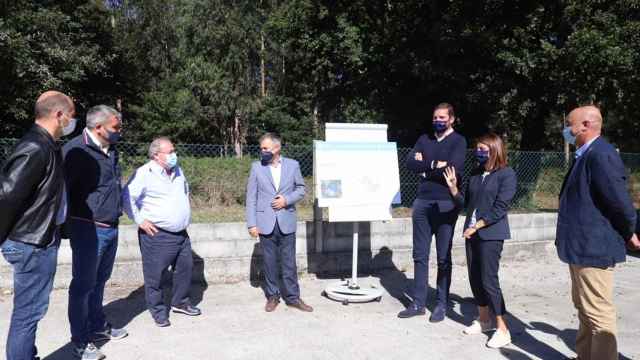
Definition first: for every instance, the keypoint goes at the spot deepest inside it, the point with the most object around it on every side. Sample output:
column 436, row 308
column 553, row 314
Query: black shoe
column 162, row 322
column 438, row 313
column 411, row 311
column 186, row 309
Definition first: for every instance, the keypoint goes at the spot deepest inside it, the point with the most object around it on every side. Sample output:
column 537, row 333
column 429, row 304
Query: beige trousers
column 592, row 295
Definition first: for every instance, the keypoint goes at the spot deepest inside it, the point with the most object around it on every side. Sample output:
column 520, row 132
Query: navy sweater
column 93, row 181
column 451, row 149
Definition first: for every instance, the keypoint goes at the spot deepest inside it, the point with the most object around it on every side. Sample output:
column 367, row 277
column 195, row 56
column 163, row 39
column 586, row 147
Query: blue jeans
column 428, row 220
column 33, row 272
column 283, row 247
column 94, row 252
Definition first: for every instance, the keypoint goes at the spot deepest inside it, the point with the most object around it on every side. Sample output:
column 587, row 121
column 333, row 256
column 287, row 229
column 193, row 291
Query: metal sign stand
column 349, row 291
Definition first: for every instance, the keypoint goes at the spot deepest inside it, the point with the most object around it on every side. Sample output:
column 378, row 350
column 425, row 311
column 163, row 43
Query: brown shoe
column 272, row 304
column 300, row 305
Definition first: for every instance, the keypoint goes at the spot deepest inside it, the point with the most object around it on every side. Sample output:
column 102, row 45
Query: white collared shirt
column 96, row 142
column 152, row 194
column 582, row 149
column 446, row 133
column 276, row 173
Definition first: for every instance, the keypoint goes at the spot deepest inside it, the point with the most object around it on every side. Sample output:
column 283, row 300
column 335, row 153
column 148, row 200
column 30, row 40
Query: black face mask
column 112, row 136
column 440, row 126
column 482, row 156
column 266, row 157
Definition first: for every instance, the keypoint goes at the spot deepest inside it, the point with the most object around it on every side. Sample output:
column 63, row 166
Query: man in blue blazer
column 596, row 218
column 275, row 186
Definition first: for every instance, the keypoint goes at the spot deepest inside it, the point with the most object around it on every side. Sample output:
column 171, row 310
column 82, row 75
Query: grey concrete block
column 226, row 253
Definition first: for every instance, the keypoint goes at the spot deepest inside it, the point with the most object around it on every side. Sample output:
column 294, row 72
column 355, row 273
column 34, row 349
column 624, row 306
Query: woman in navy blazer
column 486, row 199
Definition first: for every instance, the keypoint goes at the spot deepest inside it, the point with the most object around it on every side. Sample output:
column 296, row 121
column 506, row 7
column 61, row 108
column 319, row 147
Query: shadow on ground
column 568, row 336
column 122, row 311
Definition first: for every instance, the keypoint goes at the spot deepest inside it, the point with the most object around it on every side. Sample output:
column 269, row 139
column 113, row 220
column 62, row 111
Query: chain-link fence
column 217, row 177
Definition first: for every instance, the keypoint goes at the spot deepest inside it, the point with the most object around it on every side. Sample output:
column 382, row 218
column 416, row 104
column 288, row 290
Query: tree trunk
column 263, row 75
column 567, row 156
column 316, row 120
column 237, row 137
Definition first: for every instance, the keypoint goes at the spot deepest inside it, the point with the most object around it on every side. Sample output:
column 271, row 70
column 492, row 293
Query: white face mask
column 67, row 130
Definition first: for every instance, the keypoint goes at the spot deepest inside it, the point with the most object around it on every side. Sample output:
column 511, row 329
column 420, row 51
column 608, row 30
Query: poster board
column 356, row 172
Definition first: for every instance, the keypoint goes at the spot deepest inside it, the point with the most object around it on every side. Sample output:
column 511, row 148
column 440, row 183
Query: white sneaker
column 499, row 339
column 478, row 327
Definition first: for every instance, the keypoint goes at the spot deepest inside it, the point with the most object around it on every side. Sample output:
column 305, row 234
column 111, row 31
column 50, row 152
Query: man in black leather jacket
column 33, row 205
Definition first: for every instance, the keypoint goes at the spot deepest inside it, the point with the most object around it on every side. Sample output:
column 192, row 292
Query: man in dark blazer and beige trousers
column 596, row 218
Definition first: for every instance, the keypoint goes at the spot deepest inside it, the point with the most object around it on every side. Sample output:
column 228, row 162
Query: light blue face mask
column 68, row 130
column 172, row 160
column 568, row 136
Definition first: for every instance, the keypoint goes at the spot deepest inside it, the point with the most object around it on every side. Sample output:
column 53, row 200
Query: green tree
column 63, row 45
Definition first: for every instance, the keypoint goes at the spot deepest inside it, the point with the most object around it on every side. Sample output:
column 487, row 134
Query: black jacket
column 490, row 199
column 596, row 215
column 93, row 181
column 31, row 188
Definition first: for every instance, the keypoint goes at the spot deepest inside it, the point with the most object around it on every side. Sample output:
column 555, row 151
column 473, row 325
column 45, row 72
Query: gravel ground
column 234, row 326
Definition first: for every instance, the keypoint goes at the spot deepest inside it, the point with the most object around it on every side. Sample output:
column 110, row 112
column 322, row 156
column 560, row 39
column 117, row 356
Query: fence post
column 317, row 226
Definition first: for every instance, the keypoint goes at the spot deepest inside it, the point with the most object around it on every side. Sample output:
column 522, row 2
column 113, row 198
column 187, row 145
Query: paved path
column 234, row 326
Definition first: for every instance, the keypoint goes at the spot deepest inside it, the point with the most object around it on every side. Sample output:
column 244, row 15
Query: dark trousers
column 33, row 272
column 93, row 254
column 483, row 262
column 278, row 245
column 160, row 251
column 428, row 220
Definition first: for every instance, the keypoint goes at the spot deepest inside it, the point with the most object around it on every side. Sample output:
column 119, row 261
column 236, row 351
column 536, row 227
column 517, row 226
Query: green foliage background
column 194, row 69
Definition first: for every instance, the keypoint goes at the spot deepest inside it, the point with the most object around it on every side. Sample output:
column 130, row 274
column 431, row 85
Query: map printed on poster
column 357, row 181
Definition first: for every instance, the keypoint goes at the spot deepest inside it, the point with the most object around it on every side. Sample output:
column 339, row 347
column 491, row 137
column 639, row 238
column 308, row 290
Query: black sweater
column 451, row 149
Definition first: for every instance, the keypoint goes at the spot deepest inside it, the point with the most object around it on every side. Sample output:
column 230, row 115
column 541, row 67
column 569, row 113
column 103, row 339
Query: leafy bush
column 215, row 182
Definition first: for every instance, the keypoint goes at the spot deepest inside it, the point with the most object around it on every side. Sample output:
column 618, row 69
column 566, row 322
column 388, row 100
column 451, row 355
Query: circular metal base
column 346, row 293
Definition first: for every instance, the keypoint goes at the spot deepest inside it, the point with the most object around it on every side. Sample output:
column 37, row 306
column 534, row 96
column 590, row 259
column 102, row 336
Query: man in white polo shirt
column 157, row 199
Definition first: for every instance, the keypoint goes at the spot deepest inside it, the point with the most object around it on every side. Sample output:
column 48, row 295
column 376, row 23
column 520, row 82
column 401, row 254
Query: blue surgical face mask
column 171, row 160
column 568, row 136
column 266, row 157
column 440, row 126
column 482, row 156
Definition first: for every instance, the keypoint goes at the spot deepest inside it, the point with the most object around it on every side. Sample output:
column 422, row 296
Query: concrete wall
column 224, row 252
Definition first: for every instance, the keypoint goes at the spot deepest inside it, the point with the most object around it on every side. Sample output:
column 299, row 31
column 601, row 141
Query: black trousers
column 483, row 262
column 160, row 251
column 428, row 221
